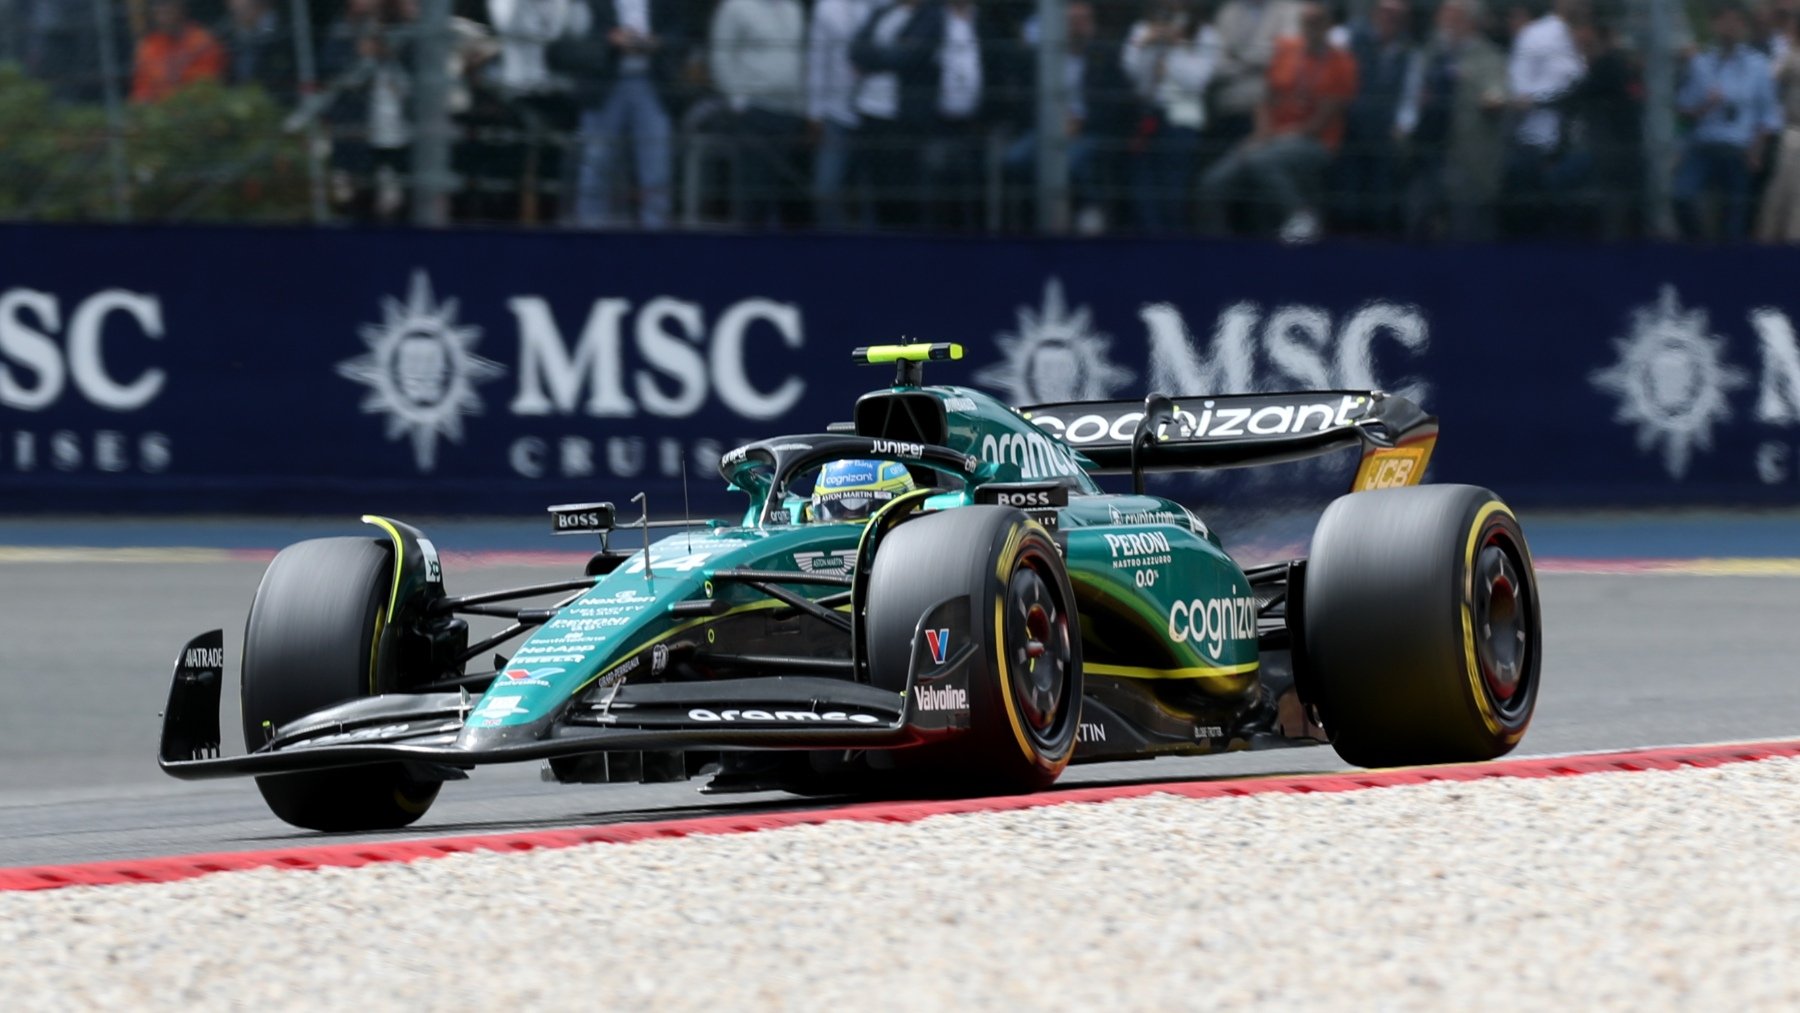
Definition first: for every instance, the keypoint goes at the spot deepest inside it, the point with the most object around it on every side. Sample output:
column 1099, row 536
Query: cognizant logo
column 1209, row 622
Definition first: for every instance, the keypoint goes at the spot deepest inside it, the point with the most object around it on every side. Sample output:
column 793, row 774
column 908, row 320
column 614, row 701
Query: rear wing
column 1162, row 433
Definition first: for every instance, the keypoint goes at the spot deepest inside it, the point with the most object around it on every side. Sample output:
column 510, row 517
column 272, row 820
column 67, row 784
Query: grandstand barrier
column 296, row 370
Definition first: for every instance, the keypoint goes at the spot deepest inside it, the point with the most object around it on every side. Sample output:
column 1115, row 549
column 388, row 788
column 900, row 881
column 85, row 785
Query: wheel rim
column 1038, row 654
column 1503, row 623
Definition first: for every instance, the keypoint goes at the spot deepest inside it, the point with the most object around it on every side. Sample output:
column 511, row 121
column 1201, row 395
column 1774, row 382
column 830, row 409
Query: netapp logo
column 941, row 698
column 752, row 716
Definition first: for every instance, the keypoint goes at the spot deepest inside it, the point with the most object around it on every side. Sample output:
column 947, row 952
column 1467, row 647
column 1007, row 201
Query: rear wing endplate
column 1161, row 433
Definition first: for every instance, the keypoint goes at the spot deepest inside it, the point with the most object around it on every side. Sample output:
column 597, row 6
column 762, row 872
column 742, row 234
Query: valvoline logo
column 938, row 641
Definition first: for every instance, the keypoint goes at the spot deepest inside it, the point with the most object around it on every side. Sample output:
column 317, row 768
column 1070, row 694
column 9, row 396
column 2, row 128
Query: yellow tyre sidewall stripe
column 1008, row 557
column 1471, row 664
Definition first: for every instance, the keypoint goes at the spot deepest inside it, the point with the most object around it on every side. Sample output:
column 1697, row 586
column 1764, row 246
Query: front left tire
column 1024, row 680
column 310, row 642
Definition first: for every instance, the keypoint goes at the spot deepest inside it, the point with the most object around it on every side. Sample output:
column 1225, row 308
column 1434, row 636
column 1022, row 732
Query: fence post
column 306, row 72
column 1659, row 118
column 115, row 112
column 12, row 41
column 1052, row 117
column 432, row 181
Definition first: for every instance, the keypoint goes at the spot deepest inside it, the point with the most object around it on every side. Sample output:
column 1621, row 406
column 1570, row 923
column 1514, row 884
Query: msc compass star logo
column 1672, row 380
column 421, row 370
column 1055, row 356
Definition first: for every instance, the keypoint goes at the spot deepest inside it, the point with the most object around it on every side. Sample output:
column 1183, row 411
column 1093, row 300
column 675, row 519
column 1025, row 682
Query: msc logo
column 421, row 370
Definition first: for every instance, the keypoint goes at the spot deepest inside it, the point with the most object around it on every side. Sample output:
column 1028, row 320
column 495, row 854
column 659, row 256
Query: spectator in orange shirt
column 175, row 52
column 1299, row 125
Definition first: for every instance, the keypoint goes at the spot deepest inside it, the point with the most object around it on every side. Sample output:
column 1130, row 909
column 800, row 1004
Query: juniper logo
column 1672, row 380
column 421, row 370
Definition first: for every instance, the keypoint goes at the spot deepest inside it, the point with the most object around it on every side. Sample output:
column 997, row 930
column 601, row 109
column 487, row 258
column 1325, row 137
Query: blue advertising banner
column 152, row 369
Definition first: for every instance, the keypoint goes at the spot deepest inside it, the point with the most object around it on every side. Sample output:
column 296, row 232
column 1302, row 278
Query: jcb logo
column 1391, row 473
column 1391, row 469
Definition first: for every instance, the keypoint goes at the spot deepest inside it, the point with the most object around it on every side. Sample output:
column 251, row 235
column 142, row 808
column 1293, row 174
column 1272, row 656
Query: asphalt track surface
column 1630, row 660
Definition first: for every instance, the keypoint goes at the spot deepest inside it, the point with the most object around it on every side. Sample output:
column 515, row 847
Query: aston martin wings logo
column 838, row 561
column 421, row 370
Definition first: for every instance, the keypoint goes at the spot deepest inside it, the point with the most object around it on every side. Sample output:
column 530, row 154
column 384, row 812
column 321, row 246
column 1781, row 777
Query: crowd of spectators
column 1459, row 120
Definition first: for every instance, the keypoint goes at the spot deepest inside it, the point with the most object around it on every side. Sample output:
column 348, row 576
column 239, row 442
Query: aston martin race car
column 937, row 594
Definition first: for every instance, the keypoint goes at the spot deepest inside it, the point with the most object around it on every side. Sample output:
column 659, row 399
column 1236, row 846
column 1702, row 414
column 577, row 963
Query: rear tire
column 1025, row 680
column 1422, row 629
column 310, row 643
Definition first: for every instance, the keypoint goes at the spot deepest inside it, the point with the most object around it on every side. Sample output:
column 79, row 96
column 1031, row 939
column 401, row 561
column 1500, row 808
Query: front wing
column 433, row 729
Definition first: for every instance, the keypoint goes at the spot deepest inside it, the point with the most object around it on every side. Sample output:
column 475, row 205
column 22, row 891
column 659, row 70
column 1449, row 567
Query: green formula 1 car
column 958, row 607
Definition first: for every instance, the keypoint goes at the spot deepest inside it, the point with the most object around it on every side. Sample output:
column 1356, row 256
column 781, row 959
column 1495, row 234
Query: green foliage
column 207, row 153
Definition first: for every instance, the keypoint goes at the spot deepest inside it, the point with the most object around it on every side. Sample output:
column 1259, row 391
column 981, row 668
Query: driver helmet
column 852, row 490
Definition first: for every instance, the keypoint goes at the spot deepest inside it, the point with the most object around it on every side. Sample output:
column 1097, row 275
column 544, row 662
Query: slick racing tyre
column 1024, row 677
column 1421, row 623
column 310, row 643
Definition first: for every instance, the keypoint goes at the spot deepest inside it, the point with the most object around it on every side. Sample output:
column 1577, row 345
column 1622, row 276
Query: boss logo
column 579, row 517
column 1034, row 498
